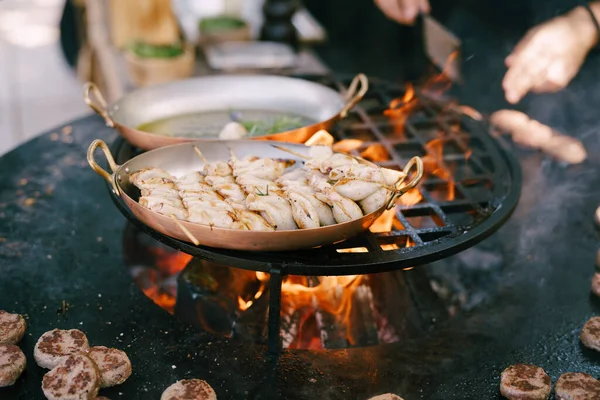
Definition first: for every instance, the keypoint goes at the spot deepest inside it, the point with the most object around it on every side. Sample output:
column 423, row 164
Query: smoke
column 551, row 198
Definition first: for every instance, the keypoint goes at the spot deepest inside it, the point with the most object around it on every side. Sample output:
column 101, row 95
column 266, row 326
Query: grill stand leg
column 274, row 339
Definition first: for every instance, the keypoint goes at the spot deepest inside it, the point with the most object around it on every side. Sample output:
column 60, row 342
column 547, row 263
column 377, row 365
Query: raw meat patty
column 12, row 328
column 76, row 378
column 386, row 396
column 56, row 345
column 525, row 382
column 577, row 386
column 596, row 284
column 189, row 389
column 590, row 334
column 12, row 364
column 113, row 364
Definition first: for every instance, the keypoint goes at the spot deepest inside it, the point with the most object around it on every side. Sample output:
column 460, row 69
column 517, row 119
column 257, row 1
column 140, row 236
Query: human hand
column 549, row 55
column 403, row 11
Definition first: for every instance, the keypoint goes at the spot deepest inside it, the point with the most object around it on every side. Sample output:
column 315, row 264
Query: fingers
column 521, row 77
column 425, row 7
column 527, row 67
column 409, row 10
column 520, row 47
column 403, row 11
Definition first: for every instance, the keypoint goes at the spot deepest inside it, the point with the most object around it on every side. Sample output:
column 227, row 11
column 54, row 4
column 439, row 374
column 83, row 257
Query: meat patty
column 12, row 364
column 387, row 396
column 12, row 328
column 525, row 382
column 596, row 284
column 113, row 364
column 577, row 386
column 56, row 345
column 590, row 334
column 189, row 389
column 75, row 378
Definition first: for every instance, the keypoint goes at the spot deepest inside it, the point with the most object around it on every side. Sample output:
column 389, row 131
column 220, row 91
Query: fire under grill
column 331, row 297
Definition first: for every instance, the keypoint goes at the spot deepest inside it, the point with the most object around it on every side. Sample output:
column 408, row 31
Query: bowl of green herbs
column 223, row 28
column 150, row 63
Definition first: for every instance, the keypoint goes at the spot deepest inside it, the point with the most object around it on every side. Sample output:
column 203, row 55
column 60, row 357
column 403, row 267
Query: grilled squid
column 217, row 168
column 295, row 183
column 327, row 163
column 355, row 189
column 375, row 201
column 304, row 213
column 322, row 209
column 367, row 173
column 253, row 221
column 343, row 208
column 226, row 187
column 164, row 206
column 296, row 177
column 252, row 184
column 263, row 168
column 275, row 209
column 138, row 178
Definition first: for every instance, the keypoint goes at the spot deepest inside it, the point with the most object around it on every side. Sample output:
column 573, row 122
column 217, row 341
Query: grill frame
column 504, row 174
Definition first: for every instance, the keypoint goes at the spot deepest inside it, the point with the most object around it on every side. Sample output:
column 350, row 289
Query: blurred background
column 48, row 48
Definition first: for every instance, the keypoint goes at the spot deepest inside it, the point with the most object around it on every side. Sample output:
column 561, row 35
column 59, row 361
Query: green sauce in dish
column 220, row 24
column 145, row 50
column 210, row 123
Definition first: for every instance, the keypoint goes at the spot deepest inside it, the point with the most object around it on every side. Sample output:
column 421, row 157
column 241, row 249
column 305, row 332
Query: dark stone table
column 61, row 265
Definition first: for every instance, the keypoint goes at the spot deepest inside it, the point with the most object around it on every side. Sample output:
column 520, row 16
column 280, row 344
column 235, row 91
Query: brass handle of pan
column 355, row 93
column 417, row 163
column 110, row 178
column 94, row 99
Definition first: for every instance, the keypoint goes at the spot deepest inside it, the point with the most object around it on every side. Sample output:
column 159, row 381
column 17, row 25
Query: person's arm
column 589, row 28
column 551, row 54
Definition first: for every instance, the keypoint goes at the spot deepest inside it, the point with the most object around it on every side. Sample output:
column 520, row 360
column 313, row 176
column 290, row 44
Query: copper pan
column 314, row 101
column 182, row 158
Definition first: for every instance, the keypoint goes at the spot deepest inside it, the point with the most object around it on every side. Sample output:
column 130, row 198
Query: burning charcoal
column 114, row 365
column 189, row 389
column 12, row 364
column 75, row 378
column 590, row 334
column 210, row 296
column 524, row 381
column 387, row 396
column 596, row 284
column 56, row 345
column 12, row 328
column 577, row 386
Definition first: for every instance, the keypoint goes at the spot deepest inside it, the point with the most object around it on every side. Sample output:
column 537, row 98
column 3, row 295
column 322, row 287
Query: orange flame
column 400, row 109
column 168, row 264
column 243, row 305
